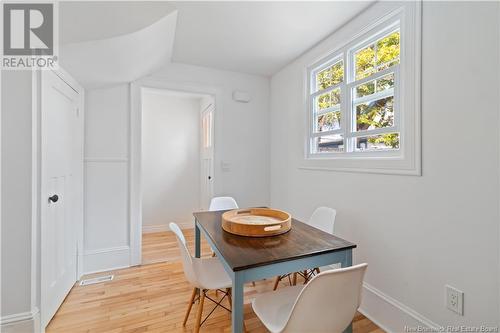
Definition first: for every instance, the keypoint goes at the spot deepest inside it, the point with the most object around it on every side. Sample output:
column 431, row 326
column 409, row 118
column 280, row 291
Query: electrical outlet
column 455, row 300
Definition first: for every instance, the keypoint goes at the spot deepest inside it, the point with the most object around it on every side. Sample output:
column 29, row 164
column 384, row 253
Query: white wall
column 241, row 130
column 170, row 159
column 18, row 297
column 441, row 228
column 241, row 138
column 106, row 230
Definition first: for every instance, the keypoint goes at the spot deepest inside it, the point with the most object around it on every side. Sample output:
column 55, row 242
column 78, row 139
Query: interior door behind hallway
column 207, row 152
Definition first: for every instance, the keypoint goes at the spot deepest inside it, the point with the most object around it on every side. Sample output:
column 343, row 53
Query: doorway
column 176, row 164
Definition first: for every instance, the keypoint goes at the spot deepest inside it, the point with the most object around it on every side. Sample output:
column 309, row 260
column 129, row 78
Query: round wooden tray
column 256, row 222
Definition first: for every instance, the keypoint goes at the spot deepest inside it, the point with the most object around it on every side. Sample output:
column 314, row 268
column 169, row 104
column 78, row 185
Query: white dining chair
column 323, row 218
column 327, row 303
column 204, row 274
column 222, row 203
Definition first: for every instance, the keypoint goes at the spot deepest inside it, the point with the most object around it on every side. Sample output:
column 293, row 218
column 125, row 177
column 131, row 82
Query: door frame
column 135, row 149
column 38, row 190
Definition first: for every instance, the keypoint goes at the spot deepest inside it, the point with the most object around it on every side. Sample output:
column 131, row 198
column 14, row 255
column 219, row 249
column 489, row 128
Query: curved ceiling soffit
column 123, row 58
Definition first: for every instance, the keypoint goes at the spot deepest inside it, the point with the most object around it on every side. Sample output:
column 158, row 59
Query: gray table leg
column 346, row 263
column 237, row 310
column 197, row 247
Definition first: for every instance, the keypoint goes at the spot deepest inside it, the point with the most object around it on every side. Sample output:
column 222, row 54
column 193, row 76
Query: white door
column 59, row 191
column 207, row 152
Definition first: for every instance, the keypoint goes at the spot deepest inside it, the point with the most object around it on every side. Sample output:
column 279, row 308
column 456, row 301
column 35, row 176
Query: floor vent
column 99, row 279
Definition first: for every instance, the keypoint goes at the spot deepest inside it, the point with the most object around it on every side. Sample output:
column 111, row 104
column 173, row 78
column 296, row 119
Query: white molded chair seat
column 274, row 308
column 327, row 303
column 323, row 218
column 211, row 274
column 222, row 203
column 204, row 274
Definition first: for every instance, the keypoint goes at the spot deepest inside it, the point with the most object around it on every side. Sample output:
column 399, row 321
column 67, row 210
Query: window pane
column 383, row 54
column 330, row 76
column 378, row 142
column 328, row 122
column 375, row 114
column 365, row 62
column 370, row 87
column 328, row 99
column 388, row 51
column 329, row 144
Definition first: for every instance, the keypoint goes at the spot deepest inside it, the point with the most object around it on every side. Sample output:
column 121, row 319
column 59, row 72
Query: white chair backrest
column 328, row 302
column 187, row 260
column 323, row 218
column 222, row 203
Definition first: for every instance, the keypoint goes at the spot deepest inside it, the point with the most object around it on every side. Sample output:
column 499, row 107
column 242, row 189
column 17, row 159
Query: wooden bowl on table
column 256, row 222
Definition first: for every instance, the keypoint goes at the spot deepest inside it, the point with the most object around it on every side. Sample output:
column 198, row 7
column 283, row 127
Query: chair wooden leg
column 294, row 280
column 276, row 282
column 213, row 254
column 253, row 283
column 228, row 291
column 191, row 301
column 199, row 312
column 306, row 279
column 317, row 270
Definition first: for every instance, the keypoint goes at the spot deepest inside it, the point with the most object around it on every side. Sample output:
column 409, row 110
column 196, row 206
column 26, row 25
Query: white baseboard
column 146, row 229
column 102, row 260
column 25, row 322
column 389, row 314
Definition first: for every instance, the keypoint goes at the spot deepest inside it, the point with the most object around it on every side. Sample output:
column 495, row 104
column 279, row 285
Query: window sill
column 390, row 165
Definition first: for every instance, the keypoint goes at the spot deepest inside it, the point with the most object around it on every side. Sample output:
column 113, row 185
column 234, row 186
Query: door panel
column 207, row 152
column 59, row 161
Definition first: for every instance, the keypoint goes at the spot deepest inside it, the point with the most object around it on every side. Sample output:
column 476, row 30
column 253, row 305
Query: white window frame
column 406, row 159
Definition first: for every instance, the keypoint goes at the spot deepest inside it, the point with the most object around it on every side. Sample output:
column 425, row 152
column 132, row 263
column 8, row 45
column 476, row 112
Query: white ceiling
column 123, row 58
column 111, row 41
column 255, row 37
column 83, row 21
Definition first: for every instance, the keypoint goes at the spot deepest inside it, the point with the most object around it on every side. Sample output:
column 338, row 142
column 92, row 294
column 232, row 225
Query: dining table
column 248, row 259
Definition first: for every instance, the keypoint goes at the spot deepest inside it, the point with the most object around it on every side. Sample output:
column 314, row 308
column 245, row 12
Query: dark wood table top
column 247, row 252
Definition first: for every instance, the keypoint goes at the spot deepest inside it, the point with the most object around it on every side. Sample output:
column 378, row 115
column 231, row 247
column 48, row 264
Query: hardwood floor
column 162, row 246
column 153, row 298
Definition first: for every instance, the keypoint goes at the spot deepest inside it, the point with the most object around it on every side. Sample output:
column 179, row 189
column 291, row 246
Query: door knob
column 209, row 177
column 54, row 198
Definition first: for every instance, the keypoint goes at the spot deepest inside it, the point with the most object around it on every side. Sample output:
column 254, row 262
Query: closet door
column 60, row 190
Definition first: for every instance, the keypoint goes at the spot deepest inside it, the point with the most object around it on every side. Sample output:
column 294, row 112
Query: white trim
column 35, row 185
column 498, row 271
column 407, row 159
column 107, row 250
column 22, row 322
column 135, row 200
column 390, row 314
column 135, row 189
column 147, row 229
column 104, row 160
column 18, row 317
column 101, row 260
